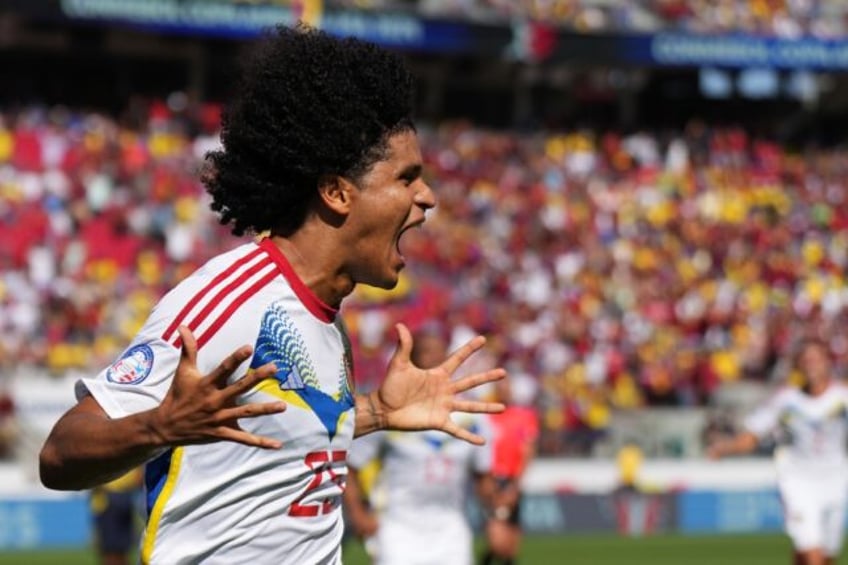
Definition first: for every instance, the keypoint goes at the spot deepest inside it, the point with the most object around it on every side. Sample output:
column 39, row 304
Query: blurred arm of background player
column 759, row 422
column 361, row 516
column 739, row 444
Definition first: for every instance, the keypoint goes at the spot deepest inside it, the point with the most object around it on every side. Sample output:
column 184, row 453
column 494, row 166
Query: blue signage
column 402, row 30
column 734, row 51
column 44, row 523
column 729, row 511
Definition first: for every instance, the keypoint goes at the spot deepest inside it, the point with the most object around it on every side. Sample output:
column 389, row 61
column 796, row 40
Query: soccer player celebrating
column 419, row 501
column 245, row 453
column 812, row 468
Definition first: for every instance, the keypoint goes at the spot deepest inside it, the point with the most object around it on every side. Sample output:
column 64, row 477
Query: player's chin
column 389, row 282
column 387, row 278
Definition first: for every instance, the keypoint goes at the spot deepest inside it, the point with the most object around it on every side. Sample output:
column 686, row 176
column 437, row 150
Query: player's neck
column 315, row 266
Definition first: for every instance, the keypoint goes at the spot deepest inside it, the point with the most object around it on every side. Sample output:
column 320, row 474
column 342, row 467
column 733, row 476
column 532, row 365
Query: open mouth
column 403, row 231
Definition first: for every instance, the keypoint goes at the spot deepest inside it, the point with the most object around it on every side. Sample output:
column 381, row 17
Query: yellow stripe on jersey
column 272, row 387
column 343, row 417
column 159, row 506
column 331, row 411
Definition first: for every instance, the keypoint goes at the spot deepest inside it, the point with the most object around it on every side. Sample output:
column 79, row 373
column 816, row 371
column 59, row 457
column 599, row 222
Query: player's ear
column 336, row 194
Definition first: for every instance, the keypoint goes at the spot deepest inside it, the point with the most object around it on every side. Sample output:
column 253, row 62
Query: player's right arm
column 87, row 448
column 758, row 424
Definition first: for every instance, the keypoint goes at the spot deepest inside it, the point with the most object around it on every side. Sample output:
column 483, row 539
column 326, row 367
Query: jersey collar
column 312, row 303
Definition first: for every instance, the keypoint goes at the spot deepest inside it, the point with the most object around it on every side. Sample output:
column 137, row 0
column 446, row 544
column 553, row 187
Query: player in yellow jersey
column 115, row 508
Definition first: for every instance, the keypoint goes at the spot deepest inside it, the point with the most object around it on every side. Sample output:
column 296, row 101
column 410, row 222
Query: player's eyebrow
column 411, row 172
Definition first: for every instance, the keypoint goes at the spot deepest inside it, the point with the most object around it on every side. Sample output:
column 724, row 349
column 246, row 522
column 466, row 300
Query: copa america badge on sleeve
column 133, row 367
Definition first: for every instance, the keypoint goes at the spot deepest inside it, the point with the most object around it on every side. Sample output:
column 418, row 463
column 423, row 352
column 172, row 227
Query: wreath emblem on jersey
column 296, row 381
column 133, row 367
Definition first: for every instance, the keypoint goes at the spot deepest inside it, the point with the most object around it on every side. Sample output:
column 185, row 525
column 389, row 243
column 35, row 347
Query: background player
column 116, row 507
column 419, row 497
column 514, row 435
column 318, row 150
column 811, row 464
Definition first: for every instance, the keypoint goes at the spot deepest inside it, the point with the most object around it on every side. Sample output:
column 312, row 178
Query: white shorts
column 445, row 543
column 814, row 511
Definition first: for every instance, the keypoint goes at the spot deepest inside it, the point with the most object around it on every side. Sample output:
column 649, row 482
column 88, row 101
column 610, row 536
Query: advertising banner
column 628, row 513
column 401, row 30
column 38, row 523
column 729, row 511
column 693, row 50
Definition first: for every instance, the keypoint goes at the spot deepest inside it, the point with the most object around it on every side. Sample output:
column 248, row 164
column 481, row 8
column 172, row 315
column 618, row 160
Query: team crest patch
column 133, row 367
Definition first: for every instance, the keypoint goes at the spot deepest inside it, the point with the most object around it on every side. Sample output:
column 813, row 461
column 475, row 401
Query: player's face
column 391, row 199
column 814, row 363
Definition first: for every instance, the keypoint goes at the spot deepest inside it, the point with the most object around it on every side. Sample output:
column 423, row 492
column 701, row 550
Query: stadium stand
column 619, row 270
column 641, row 204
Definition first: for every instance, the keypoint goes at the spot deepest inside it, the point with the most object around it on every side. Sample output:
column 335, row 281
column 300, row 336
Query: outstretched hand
column 202, row 408
column 412, row 398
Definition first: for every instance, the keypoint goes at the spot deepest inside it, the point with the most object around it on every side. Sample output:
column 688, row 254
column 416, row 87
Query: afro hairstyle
column 309, row 106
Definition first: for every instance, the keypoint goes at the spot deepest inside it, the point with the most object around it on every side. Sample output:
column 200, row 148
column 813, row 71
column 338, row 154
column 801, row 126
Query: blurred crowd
column 628, row 270
column 782, row 18
column 611, row 271
column 98, row 218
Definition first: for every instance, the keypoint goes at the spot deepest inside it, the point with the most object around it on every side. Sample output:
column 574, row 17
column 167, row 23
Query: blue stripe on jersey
column 328, row 409
column 155, row 473
column 434, row 441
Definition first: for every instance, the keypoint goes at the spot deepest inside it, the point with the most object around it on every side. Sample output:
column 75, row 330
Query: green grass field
column 571, row 550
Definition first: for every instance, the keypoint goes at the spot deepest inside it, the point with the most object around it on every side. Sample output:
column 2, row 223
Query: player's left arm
column 755, row 426
column 363, row 451
column 411, row 398
column 739, row 444
column 362, row 517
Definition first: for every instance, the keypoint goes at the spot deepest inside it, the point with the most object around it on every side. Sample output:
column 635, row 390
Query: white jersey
column 811, row 463
column 225, row 502
column 421, row 492
column 814, row 428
